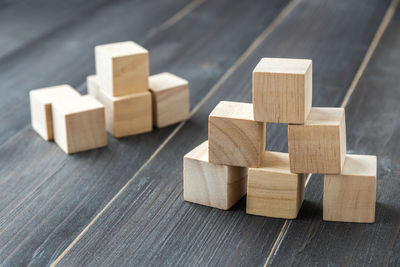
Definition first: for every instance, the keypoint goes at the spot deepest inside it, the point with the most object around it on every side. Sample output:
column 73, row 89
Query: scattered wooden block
column 217, row 186
column 125, row 115
column 123, row 68
column 234, row 137
column 93, row 85
column 41, row 110
column 170, row 99
column 318, row 146
column 351, row 195
column 282, row 90
column 272, row 190
column 79, row 123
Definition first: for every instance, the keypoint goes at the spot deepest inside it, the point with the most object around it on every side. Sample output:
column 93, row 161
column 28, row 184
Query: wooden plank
column 150, row 222
column 373, row 128
column 48, row 198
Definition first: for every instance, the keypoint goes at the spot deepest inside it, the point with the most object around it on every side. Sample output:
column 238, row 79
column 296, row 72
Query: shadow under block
column 123, row 68
column 125, row 115
column 272, row 190
column 318, row 146
column 41, row 110
column 170, row 99
column 79, row 124
column 282, row 90
column 351, row 195
column 235, row 139
column 208, row 184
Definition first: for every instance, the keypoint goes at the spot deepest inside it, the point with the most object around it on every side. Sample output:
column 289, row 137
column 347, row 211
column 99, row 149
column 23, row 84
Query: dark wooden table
column 122, row 205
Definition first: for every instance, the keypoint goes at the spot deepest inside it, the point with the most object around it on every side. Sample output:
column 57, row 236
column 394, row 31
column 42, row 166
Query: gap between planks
column 288, row 8
column 371, row 49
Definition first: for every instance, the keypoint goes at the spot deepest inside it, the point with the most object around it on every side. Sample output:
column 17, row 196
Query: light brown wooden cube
column 123, row 68
column 318, row 146
column 208, row 184
column 234, row 137
column 170, row 99
column 125, row 115
column 41, row 111
column 282, row 90
column 79, row 124
column 351, row 195
column 272, row 190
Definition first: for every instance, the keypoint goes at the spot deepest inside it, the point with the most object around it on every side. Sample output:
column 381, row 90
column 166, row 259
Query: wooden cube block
column 351, row 195
column 208, row 184
column 234, row 138
column 123, row 68
column 79, row 124
column 318, row 146
column 41, row 111
column 125, row 115
column 272, row 190
column 170, row 99
column 282, row 90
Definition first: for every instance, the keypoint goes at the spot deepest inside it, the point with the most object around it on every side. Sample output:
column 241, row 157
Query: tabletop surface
column 122, row 205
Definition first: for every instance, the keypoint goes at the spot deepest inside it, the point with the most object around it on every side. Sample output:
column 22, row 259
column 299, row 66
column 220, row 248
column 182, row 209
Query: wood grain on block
column 170, row 99
column 209, row 184
column 318, row 146
column 123, row 68
column 282, row 90
column 41, row 111
column 272, row 190
column 234, row 137
column 79, row 124
column 351, row 195
column 125, row 115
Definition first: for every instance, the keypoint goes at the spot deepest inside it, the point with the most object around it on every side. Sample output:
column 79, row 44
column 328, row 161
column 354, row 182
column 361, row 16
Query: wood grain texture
column 282, row 90
column 153, row 202
column 372, row 113
column 234, row 138
column 65, row 193
column 170, row 96
column 318, row 146
column 272, row 190
column 209, row 184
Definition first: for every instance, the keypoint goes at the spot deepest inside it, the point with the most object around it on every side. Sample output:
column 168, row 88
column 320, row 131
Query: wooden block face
column 318, row 146
column 274, row 191
column 208, row 184
column 79, row 124
column 125, row 115
column 282, row 90
column 234, row 138
column 351, row 195
column 122, row 68
column 41, row 108
column 93, row 85
column 170, row 99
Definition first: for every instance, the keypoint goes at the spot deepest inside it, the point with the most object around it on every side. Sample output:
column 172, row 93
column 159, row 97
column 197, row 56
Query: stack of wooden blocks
column 233, row 162
column 122, row 99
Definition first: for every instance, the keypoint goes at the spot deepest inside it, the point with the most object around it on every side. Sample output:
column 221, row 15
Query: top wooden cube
column 123, row 68
column 234, row 138
column 282, row 90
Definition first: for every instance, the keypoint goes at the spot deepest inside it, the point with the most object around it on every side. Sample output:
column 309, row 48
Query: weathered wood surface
column 48, row 198
column 149, row 224
column 372, row 116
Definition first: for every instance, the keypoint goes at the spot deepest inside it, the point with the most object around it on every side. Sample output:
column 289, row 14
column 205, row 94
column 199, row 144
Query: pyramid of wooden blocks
column 170, row 99
column 350, row 196
column 234, row 138
column 41, row 107
column 123, row 68
column 282, row 90
column 272, row 190
column 209, row 184
column 125, row 115
column 318, row 146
